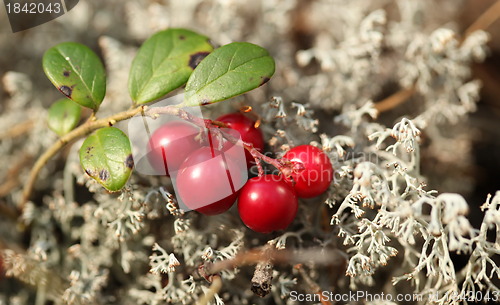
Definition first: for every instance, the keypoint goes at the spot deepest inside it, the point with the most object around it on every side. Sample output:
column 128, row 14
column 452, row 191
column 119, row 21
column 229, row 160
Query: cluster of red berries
column 266, row 203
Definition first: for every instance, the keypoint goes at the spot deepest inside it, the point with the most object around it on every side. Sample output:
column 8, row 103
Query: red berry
column 172, row 143
column 209, row 182
column 317, row 172
column 247, row 130
column 267, row 203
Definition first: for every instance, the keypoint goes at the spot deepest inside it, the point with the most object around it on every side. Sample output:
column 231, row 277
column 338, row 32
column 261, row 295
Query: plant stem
column 82, row 130
column 395, row 100
column 485, row 20
column 214, row 289
column 12, row 176
column 335, row 258
column 17, row 130
column 312, row 285
column 8, row 212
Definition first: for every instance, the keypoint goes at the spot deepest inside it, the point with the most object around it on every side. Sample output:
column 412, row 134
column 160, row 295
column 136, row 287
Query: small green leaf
column 106, row 156
column 230, row 70
column 63, row 116
column 164, row 63
column 77, row 72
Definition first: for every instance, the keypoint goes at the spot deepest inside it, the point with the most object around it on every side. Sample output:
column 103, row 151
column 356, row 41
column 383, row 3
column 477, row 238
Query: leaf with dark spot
column 103, row 174
column 264, row 80
column 228, row 71
column 196, row 58
column 129, row 162
column 63, row 116
column 66, row 91
column 105, row 156
column 162, row 63
column 73, row 63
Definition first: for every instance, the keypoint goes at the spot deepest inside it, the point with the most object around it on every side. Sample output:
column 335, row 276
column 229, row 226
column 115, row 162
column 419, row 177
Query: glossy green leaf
column 164, row 63
column 77, row 72
column 230, row 70
column 106, row 156
column 63, row 116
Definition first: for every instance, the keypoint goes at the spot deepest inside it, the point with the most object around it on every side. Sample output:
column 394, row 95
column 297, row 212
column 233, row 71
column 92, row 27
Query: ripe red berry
column 317, row 173
column 209, row 182
column 267, row 203
column 246, row 127
column 172, row 143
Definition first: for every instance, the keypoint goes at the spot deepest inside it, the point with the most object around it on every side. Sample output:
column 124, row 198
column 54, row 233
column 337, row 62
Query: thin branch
column 395, row 100
column 312, row 285
column 12, row 175
column 250, row 257
column 215, row 287
column 255, row 256
column 8, row 212
column 17, row 130
column 5, row 245
column 11, row 182
column 268, row 254
column 485, row 20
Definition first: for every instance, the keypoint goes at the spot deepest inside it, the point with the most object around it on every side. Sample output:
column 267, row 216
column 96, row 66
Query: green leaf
column 164, row 63
column 77, row 72
column 230, row 70
column 64, row 115
column 106, row 156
